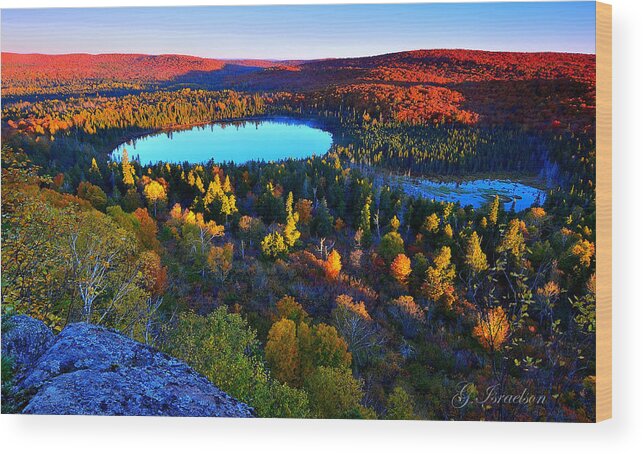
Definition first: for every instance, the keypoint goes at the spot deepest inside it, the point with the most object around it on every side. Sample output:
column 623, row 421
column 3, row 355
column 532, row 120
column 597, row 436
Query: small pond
column 475, row 192
column 238, row 142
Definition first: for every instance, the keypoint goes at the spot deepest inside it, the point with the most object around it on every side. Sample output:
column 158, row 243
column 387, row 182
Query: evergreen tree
column 322, row 221
column 391, row 245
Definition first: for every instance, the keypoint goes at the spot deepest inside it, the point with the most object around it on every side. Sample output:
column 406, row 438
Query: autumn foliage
column 401, row 268
column 438, row 85
column 333, row 265
column 492, row 329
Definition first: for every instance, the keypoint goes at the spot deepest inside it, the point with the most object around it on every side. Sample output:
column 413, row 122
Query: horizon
column 288, row 60
column 292, row 59
column 302, row 32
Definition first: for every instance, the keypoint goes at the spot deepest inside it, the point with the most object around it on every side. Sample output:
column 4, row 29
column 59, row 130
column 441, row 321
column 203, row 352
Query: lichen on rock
column 91, row 370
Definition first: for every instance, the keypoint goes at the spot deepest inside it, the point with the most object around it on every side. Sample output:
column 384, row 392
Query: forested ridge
column 536, row 89
column 302, row 287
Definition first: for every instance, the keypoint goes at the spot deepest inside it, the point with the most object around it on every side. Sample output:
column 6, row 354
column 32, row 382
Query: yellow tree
column 330, row 348
column 154, row 192
column 93, row 194
column 219, row 199
column 94, row 168
column 448, row 231
column 431, row 223
column 176, row 212
column 198, row 182
column 401, row 269
column 333, row 265
column 334, row 393
column 395, row 224
column 493, row 210
column 492, row 328
column 207, row 231
column 584, row 250
column 513, row 240
column 227, row 186
column 438, row 285
column 291, row 234
column 282, row 352
column 228, row 206
column 288, row 307
column 475, row 259
column 128, row 170
column 220, row 260
column 364, row 223
column 155, row 282
column 197, row 236
column 213, row 193
column 294, row 350
column 95, row 175
column 307, row 348
column 191, row 178
column 147, row 230
column 33, row 249
column 273, row 246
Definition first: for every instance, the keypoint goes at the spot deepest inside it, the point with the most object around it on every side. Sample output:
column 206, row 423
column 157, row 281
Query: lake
column 474, row 192
column 238, row 142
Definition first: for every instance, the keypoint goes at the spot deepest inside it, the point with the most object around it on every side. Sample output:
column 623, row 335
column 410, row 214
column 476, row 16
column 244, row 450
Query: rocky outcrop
column 90, row 370
column 25, row 339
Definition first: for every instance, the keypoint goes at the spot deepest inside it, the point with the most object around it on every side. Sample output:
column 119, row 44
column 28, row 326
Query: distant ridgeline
column 535, row 89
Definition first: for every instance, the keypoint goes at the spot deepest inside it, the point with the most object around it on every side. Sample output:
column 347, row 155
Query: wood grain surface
column 603, row 211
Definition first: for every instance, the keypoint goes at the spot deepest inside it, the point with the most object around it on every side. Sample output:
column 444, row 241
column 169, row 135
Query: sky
column 302, row 32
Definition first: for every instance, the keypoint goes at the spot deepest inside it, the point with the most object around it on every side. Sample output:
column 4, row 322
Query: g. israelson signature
column 492, row 396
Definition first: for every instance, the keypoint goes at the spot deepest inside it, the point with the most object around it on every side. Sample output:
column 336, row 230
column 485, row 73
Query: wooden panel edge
column 603, row 211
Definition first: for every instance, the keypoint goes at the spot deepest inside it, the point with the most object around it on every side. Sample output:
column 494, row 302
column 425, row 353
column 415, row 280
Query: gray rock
column 24, row 340
column 90, row 370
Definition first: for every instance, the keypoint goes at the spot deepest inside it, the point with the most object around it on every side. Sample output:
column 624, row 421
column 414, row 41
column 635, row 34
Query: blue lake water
column 237, row 142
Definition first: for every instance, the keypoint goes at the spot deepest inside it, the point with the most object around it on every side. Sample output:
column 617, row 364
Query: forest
column 304, row 287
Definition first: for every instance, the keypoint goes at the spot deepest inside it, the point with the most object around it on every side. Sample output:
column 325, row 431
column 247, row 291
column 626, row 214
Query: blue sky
column 302, row 32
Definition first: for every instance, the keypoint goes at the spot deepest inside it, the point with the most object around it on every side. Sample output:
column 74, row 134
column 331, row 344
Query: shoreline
column 177, row 128
column 522, row 178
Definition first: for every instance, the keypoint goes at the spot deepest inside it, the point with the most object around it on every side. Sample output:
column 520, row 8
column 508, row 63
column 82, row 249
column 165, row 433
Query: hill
column 40, row 74
column 438, row 66
column 534, row 89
